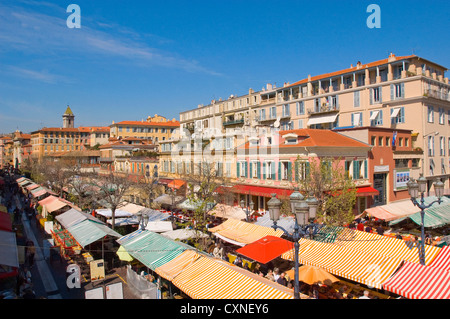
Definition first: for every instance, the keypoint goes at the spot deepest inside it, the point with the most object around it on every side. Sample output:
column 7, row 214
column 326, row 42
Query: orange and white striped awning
column 366, row 267
column 384, row 245
column 174, row 267
column 209, row 279
column 243, row 233
column 442, row 260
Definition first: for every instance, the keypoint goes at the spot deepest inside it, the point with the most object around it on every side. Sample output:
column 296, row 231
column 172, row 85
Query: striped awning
column 209, row 279
column 174, row 267
column 383, row 245
column 88, row 231
column 366, row 267
column 242, row 233
column 151, row 249
column 442, row 260
column 415, row 281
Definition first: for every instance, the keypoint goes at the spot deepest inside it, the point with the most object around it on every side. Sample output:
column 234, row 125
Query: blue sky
column 132, row 59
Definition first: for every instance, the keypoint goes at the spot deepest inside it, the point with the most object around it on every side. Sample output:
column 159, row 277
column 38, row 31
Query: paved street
column 49, row 277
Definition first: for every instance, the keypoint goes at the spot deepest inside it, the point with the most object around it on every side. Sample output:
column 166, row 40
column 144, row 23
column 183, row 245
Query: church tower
column 68, row 118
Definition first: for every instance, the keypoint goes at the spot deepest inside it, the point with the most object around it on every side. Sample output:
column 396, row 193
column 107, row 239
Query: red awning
column 366, row 191
column 261, row 191
column 266, row 249
column 176, row 183
column 5, row 222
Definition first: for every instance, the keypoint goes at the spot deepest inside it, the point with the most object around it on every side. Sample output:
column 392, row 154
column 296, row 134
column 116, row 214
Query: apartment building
column 392, row 160
column 51, row 140
column 154, row 129
column 406, row 92
column 6, row 144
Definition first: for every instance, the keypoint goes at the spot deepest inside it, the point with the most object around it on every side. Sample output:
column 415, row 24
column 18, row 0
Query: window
column 401, row 163
column 300, row 124
column 262, row 114
column 441, row 115
column 373, row 140
column 397, row 91
column 356, row 99
column 300, row 108
column 430, row 145
column 400, row 141
column 287, row 125
column 380, row 141
column 120, row 128
column 273, row 112
column 359, row 169
column 285, row 170
column 398, row 115
column 357, row 119
column 375, row 95
column 415, row 162
column 286, row 111
column 228, row 169
column 301, row 170
column 388, row 141
column 406, row 142
column 430, row 114
column 442, row 146
column 376, row 118
column 270, row 170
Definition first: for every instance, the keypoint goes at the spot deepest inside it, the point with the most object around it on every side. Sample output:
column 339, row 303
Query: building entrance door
column 379, row 183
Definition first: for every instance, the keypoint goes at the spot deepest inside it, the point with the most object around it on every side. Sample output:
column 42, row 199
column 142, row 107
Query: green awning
column 151, row 249
column 89, row 231
column 435, row 216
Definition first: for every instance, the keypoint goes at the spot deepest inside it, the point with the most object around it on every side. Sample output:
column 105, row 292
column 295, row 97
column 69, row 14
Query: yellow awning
column 365, row 267
column 384, row 245
column 243, row 232
column 208, row 279
column 174, row 267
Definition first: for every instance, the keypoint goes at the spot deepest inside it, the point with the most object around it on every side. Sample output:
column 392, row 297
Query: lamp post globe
column 274, row 205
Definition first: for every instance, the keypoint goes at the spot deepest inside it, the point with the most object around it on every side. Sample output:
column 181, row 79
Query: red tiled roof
column 349, row 70
column 140, row 123
column 317, row 138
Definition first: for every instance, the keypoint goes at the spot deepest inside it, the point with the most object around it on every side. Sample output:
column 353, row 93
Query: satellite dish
column 277, row 123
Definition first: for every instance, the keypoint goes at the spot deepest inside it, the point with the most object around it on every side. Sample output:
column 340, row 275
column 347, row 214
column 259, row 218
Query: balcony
column 436, row 94
column 233, row 122
column 324, row 109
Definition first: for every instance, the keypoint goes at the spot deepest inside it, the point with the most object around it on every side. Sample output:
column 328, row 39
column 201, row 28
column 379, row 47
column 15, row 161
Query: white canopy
column 106, row 212
column 159, row 226
column 182, row 234
column 322, row 119
column 8, row 251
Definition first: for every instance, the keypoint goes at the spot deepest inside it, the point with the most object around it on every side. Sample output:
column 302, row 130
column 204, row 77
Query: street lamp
column 247, row 212
column 414, row 188
column 142, row 219
column 303, row 210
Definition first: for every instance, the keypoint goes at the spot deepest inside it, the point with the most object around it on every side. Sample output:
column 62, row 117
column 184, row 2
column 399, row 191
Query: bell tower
column 68, row 118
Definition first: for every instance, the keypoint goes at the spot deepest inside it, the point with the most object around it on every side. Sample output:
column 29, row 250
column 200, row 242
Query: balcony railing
column 233, row 122
column 437, row 94
column 324, row 109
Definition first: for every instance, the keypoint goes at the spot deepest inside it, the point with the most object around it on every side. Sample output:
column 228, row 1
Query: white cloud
column 35, row 33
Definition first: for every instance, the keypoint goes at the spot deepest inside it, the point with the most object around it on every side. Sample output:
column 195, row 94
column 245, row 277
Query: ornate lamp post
column 304, row 210
column 247, row 212
column 142, row 219
column 414, row 188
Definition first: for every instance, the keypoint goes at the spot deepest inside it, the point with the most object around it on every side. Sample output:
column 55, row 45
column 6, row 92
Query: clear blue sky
column 132, row 59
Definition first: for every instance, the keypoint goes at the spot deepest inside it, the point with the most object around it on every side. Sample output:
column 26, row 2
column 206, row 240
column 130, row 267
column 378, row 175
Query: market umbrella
column 313, row 275
column 123, row 254
column 265, row 249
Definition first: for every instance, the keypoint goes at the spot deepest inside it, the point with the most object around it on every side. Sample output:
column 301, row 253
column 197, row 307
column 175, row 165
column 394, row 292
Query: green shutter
column 238, row 167
column 246, row 169
column 273, row 171
column 264, row 170
column 296, row 172
column 365, row 169
column 308, row 165
column 279, row 171
column 250, row 173
column 290, row 171
column 259, row 169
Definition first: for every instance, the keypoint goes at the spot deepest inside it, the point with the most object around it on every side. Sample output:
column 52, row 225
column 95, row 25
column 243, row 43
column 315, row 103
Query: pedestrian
column 30, row 251
column 368, row 229
column 380, row 230
column 276, row 274
column 269, row 275
column 238, row 261
column 365, row 296
column 281, row 279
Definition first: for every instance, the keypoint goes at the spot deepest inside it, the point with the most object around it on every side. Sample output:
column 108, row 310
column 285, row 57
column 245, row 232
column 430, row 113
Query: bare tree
column 148, row 185
column 57, row 173
column 203, row 188
column 112, row 188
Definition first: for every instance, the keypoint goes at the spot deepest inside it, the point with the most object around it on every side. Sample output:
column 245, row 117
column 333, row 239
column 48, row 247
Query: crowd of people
column 17, row 203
